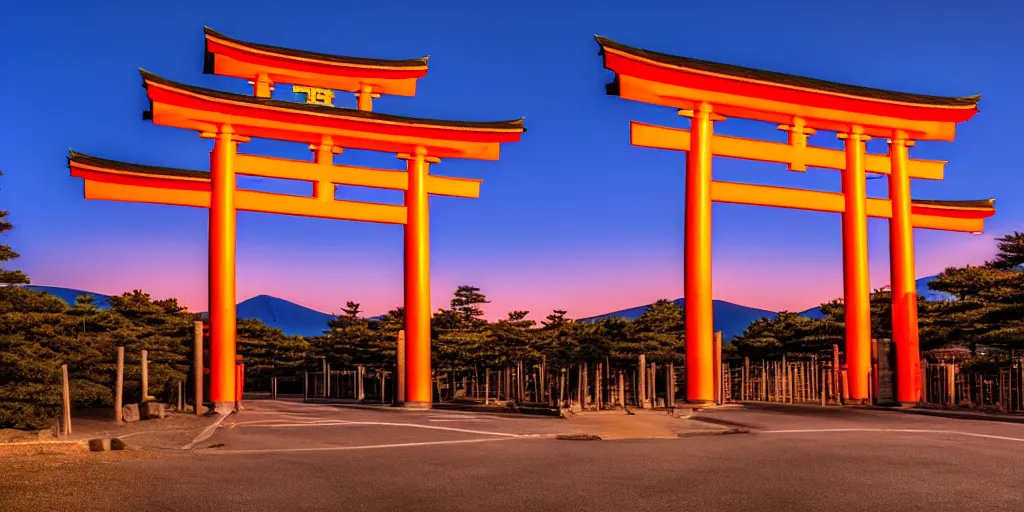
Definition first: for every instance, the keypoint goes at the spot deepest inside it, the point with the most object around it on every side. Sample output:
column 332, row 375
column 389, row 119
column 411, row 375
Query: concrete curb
column 578, row 437
column 106, row 445
column 705, row 433
column 957, row 415
column 942, row 413
column 43, row 448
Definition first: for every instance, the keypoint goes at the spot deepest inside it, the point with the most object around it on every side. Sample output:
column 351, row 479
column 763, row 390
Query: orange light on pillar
column 222, row 271
column 904, row 286
column 417, row 282
column 697, row 264
column 855, row 265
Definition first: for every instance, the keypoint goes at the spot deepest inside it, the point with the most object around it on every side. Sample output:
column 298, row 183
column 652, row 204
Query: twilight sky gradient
column 573, row 217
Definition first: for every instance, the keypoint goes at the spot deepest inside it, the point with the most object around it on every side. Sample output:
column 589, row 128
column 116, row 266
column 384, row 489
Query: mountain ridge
column 297, row 320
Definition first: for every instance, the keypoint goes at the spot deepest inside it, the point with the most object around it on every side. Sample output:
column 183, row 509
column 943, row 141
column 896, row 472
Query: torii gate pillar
column 697, row 264
column 417, row 282
column 223, row 218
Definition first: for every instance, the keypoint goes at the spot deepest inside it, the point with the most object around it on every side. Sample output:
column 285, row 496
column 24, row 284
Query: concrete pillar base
column 701, row 403
column 416, row 405
column 224, row 408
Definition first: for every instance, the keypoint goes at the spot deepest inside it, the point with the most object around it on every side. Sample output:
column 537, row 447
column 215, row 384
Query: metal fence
column 821, row 381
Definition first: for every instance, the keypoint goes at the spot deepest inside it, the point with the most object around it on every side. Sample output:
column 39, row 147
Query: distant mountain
column 730, row 318
column 922, row 291
column 291, row 318
column 296, row 320
column 70, row 294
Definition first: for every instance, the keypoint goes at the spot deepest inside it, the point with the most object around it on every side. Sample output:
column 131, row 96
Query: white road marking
column 206, row 433
column 897, row 430
column 346, row 448
column 340, row 423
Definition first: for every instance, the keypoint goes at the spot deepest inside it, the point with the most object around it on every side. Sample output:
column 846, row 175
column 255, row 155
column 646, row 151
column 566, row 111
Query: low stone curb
column 106, row 445
column 943, row 413
column 43, row 448
column 723, row 432
column 578, row 437
column 957, row 415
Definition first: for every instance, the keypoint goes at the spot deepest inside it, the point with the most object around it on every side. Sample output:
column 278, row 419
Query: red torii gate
column 229, row 119
column 706, row 92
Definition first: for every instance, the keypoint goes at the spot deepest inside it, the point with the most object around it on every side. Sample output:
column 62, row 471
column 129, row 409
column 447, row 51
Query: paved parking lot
column 291, row 456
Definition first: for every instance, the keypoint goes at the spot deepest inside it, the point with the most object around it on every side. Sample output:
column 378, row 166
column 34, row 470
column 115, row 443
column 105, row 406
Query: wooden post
column 521, row 384
column 119, row 387
column 668, row 386
column 622, row 389
column 487, row 386
column 823, row 388
column 400, row 367
column 924, row 381
column 66, row 391
column 579, row 384
column 598, row 388
column 642, row 381
column 584, row 392
column 543, row 378
column 359, row 372
column 197, row 365
column 717, row 355
column 951, row 383
column 305, row 386
column 561, row 388
column 181, row 395
column 327, row 380
column 145, row 376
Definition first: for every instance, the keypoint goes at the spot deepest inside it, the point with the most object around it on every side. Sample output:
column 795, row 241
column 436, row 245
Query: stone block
column 130, row 413
column 99, row 445
column 152, row 410
column 117, row 444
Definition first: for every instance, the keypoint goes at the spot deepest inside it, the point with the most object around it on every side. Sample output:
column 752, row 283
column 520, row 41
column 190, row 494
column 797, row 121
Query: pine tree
column 658, row 332
column 466, row 300
column 1011, row 252
column 7, row 254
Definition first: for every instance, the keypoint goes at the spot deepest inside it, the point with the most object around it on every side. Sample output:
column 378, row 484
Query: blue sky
column 571, row 217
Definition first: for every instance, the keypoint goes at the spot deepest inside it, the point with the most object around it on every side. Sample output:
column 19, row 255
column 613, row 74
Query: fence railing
column 819, row 381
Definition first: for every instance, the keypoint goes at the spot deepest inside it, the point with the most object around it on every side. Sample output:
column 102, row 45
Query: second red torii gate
column 707, row 92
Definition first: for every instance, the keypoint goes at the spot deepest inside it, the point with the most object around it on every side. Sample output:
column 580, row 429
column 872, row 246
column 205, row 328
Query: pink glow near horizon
column 585, row 288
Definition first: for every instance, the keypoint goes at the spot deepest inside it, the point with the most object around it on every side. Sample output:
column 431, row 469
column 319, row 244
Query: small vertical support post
column 119, row 387
column 197, row 365
column 400, row 373
column 66, row 395
column 622, row 390
column 145, row 376
column 717, row 362
column 642, row 382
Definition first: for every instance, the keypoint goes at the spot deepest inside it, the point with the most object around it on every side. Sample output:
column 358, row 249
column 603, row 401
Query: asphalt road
column 277, row 456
